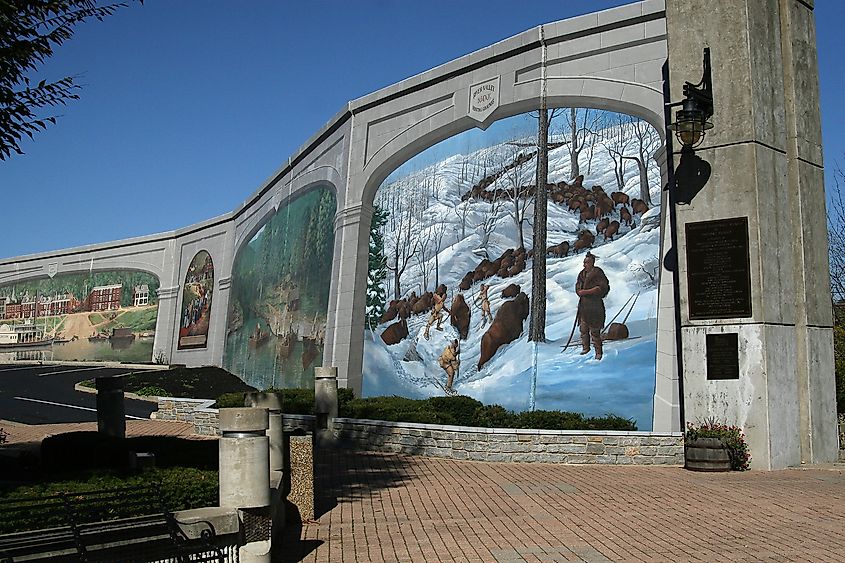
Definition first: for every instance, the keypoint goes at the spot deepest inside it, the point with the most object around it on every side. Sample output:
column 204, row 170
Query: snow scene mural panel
column 98, row 316
column 450, row 294
column 196, row 302
column 280, row 291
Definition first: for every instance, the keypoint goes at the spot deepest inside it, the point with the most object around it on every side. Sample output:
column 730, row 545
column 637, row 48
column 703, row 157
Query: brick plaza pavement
column 387, row 508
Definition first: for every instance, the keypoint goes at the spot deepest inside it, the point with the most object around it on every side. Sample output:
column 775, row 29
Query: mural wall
column 279, row 299
column 103, row 316
column 196, row 302
column 449, row 288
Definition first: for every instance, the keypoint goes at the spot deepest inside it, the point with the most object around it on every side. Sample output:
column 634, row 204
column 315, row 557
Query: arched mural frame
column 634, row 99
column 202, row 309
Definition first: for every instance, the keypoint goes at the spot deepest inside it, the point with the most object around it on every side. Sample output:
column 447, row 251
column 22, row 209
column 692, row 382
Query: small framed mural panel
column 196, row 302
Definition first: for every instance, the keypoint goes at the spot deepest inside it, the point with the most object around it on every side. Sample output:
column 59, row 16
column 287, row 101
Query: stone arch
column 302, row 184
column 610, row 94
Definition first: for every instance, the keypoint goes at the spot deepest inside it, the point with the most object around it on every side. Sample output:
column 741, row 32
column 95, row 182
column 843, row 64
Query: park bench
column 100, row 526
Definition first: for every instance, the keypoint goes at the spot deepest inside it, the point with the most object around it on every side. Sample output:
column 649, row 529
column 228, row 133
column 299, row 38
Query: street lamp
column 691, row 122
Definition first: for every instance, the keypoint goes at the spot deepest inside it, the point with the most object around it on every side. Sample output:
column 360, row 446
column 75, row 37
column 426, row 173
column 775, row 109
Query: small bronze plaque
column 718, row 269
column 722, row 356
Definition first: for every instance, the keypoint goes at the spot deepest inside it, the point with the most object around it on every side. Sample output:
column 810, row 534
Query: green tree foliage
column 377, row 268
column 29, row 31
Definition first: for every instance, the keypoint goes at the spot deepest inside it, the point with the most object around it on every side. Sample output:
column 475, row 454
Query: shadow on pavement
column 342, row 476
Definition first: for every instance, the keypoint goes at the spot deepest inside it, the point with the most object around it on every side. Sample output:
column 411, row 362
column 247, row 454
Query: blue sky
column 189, row 106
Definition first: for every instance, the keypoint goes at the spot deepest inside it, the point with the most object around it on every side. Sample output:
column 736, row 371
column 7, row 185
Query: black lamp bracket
column 701, row 93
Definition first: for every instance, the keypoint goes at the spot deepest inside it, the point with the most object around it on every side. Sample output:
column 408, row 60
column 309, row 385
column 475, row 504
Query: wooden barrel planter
column 706, row 454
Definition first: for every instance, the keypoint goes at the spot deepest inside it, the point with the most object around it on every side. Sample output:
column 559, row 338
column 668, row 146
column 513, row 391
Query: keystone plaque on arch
column 483, row 99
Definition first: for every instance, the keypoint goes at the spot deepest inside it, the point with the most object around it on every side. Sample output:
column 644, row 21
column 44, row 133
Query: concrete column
column 275, row 431
column 348, row 296
column 245, row 475
column 111, row 413
column 166, row 325
column 666, row 416
column 765, row 154
column 325, row 399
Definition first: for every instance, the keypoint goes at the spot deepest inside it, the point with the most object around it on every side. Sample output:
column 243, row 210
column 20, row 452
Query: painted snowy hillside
column 439, row 228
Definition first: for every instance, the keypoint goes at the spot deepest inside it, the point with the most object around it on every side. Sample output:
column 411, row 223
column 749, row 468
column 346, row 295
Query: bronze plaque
column 722, row 356
column 718, row 269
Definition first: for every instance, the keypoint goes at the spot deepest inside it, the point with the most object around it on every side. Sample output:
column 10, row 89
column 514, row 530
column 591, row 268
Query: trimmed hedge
column 294, row 401
column 181, row 487
column 466, row 411
column 82, row 451
column 457, row 410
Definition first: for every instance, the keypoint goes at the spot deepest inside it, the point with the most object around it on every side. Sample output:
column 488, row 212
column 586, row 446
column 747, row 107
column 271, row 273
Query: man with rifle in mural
column 592, row 287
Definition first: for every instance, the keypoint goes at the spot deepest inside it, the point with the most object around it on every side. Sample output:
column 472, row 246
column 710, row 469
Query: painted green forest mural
column 280, row 290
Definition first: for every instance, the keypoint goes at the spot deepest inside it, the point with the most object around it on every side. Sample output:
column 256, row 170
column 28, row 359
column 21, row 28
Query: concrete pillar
column 275, row 431
column 111, row 413
column 245, row 476
column 766, row 161
column 325, row 399
column 348, row 296
column 666, row 416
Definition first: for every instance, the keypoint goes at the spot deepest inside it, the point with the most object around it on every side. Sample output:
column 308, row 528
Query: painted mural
column 280, row 292
column 450, row 280
column 196, row 302
column 102, row 316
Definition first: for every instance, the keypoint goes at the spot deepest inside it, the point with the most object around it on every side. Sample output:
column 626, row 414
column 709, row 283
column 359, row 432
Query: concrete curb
column 149, row 399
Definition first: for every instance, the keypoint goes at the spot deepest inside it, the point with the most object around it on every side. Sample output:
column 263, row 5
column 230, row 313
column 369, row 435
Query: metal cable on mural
column 449, row 284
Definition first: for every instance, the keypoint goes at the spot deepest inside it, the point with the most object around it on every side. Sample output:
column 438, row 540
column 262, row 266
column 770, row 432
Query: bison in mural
column 506, row 327
column 395, row 332
column 459, row 315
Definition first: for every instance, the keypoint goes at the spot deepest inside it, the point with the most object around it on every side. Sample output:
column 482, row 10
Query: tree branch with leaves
column 30, row 30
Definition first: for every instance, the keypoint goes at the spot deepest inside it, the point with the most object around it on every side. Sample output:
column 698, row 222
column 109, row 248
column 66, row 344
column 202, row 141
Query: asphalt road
column 44, row 394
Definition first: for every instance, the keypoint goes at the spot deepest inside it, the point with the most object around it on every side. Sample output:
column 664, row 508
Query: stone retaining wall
column 204, row 418
column 512, row 445
column 461, row 442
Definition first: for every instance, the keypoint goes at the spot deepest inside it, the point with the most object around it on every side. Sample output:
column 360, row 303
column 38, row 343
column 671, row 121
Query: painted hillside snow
column 456, row 222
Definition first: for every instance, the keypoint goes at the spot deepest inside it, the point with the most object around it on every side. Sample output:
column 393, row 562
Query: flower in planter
column 731, row 437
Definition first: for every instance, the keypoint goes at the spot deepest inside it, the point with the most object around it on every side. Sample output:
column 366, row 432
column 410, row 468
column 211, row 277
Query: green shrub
column 344, row 395
column 458, row 409
column 494, row 416
column 151, row 391
column 551, row 420
column 230, row 400
column 85, row 451
column 610, row 422
column 182, row 488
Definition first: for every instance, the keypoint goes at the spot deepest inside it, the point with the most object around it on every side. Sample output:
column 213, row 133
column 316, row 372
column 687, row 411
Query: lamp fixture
column 691, row 121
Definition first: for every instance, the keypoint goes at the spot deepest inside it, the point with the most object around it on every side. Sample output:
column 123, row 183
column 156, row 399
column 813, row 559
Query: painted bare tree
column 401, row 238
column 516, row 182
column 488, row 218
column 643, row 142
column 424, row 244
column 462, row 209
column 616, row 142
column 578, row 127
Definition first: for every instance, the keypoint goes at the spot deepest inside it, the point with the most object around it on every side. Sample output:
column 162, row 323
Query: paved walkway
column 392, row 508
column 33, row 433
column 389, row 508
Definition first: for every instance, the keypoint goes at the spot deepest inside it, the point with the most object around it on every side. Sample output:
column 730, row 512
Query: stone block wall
column 512, row 445
column 461, row 442
column 204, row 418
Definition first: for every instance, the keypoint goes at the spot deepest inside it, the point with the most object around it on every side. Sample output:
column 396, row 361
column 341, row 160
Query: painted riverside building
column 280, row 284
